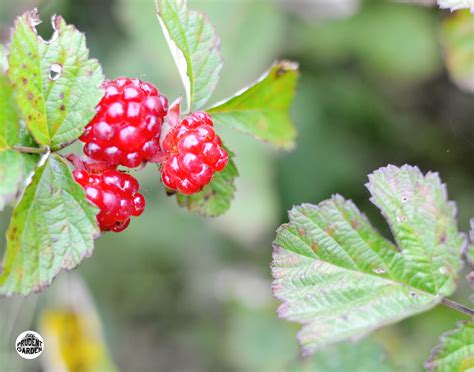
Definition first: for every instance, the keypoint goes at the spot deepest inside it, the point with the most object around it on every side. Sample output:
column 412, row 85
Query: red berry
column 115, row 193
column 195, row 154
column 127, row 125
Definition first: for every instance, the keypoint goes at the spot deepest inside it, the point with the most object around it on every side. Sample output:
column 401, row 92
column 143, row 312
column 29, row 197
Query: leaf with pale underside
column 456, row 4
column 215, row 198
column 262, row 110
column 455, row 352
column 195, row 48
column 57, row 85
column 341, row 279
column 52, row 228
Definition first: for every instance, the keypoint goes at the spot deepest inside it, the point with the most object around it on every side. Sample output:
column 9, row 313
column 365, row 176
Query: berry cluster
column 127, row 125
column 115, row 193
column 126, row 131
column 194, row 153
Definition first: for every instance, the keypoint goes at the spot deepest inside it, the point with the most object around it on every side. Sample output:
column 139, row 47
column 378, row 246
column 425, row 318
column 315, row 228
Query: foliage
column 195, row 48
column 340, row 278
column 52, row 228
column 455, row 351
column 262, row 109
column 52, row 88
column 354, row 267
column 57, row 85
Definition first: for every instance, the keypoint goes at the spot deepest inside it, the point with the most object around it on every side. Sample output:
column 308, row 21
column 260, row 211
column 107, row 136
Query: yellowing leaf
column 72, row 330
column 458, row 41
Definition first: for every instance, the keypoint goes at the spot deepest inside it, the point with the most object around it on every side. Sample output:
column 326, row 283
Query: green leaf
column 215, row 198
column 195, row 49
column 341, row 279
column 9, row 118
column 262, row 110
column 423, row 223
column 12, row 130
column 455, row 352
column 14, row 166
column 57, row 85
column 52, row 228
column 457, row 34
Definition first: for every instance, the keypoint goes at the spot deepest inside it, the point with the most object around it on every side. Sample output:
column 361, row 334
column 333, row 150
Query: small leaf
column 455, row 352
column 457, row 36
column 52, row 228
column 341, row 279
column 57, row 85
column 195, row 49
column 215, row 198
column 456, row 4
column 262, row 110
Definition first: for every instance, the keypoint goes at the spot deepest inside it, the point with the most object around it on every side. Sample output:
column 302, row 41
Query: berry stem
column 458, row 307
column 31, row 150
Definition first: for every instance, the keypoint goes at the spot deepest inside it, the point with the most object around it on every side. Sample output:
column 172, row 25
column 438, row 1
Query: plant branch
column 458, row 307
column 31, row 150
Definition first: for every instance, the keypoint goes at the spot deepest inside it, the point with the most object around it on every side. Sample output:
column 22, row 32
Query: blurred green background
column 177, row 292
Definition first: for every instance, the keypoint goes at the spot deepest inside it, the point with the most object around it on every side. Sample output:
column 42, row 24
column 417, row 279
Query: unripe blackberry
column 127, row 125
column 115, row 194
column 194, row 153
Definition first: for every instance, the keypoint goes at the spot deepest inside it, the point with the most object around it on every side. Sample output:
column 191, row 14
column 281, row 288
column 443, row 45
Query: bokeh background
column 177, row 292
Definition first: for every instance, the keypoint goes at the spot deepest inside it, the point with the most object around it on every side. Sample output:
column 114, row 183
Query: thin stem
column 31, row 150
column 458, row 307
column 66, row 144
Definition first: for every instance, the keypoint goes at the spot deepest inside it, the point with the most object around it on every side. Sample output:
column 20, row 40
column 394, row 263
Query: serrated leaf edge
column 434, row 352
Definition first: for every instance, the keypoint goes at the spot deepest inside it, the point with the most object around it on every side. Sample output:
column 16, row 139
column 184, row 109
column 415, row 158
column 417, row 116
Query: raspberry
column 115, row 193
column 127, row 125
column 195, row 154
